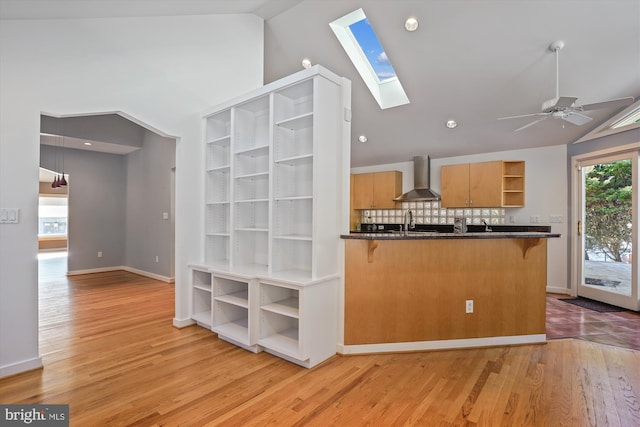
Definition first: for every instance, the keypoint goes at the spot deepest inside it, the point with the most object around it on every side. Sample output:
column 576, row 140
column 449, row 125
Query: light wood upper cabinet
column 376, row 190
column 481, row 185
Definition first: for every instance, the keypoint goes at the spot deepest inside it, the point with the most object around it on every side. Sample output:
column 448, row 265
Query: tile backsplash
column 432, row 213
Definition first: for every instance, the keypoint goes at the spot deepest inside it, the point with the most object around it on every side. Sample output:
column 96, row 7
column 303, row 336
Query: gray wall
column 116, row 206
column 97, row 184
column 110, row 128
column 148, row 196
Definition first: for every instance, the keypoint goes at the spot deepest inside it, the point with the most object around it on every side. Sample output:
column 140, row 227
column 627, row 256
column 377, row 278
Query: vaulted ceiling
column 469, row 60
column 472, row 61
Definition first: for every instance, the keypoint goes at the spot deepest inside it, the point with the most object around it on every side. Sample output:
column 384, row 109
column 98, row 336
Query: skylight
column 358, row 39
column 372, row 49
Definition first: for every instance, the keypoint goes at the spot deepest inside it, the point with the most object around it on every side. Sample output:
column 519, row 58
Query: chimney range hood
column 421, row 180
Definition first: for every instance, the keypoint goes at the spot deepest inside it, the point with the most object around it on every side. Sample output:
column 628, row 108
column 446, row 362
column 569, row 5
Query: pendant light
column 55, row 183
column 63, row 181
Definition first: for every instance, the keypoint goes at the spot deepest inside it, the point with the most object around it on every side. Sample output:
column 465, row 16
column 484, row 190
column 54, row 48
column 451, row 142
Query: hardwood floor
column 111, row 352
column 564, row 320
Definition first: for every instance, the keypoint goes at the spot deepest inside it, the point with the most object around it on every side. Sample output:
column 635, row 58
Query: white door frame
column 631, row 302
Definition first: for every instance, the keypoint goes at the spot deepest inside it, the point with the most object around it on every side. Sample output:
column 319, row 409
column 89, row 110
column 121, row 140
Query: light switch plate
column 555, row 218
column 9, row 215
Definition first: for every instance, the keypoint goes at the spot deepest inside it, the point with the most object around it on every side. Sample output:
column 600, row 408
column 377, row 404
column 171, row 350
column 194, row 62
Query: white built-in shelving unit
column 275, row 176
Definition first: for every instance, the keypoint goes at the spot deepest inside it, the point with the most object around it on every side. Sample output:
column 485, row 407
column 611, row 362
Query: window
column 52, row 216
column 632, row 118
column 358, row 39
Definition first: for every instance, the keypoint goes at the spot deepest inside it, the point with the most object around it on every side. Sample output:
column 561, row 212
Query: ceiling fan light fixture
column 556, row 45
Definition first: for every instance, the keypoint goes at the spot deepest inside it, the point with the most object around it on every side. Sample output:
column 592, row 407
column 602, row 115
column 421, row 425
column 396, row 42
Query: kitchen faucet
column 408, row 222
column 486, row 226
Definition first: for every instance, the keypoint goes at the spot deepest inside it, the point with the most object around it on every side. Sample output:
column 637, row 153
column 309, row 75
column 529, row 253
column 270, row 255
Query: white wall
column 162, row 71
column 545, row 192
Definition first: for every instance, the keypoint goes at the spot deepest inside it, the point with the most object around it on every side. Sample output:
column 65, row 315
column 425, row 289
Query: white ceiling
column 63, row 9
column 470, row 60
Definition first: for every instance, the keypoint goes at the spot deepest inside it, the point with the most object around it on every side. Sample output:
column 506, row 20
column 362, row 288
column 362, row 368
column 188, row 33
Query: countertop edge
column 449, row 236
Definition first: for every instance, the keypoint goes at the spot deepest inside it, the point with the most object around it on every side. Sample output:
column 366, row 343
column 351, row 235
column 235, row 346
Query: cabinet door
column 454, row 182
column 363, row 191
column 485, row 184
column 386, row 187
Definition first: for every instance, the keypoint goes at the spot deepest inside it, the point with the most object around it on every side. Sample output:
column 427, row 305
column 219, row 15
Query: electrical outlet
column 99, row 254
column 535, row 219
column 512, row 219
column 469, row 306
column 157, row 259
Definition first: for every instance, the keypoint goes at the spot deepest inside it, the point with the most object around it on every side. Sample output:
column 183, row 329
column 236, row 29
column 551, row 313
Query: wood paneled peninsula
column 412, row 292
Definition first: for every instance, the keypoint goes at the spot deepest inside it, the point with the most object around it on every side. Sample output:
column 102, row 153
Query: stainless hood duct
column 421, row 180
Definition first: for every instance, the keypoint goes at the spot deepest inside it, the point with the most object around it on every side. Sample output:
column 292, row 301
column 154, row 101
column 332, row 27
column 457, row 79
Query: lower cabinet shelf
column 296, row 321
column 241, row 299
column 203, row 318
column 285, row 342
column 237, row 330
column 287, row 307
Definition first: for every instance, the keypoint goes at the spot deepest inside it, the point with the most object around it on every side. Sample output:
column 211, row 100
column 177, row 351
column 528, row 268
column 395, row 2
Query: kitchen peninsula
column 414, row 291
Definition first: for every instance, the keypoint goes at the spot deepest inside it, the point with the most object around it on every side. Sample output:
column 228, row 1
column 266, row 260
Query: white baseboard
column 183, row 323
column 125, row 268
column 558, row 290
column 441, row 344
column 95, row 270
column 17, row 368
column 148, row 274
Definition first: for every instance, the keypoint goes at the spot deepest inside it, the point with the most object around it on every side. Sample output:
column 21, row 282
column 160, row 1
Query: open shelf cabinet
column 298, row 322
column 274, row 172
column 232, row 313
column 201, row 297
column 513, row 183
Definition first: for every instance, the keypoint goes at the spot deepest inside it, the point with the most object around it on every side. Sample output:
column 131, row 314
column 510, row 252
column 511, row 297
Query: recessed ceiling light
column 411, row 24
column 306, row 63
column 87, row 143
column 363, row 138
column 451, row 124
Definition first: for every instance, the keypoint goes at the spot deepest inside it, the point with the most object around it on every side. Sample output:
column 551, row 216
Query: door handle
column 579, row 228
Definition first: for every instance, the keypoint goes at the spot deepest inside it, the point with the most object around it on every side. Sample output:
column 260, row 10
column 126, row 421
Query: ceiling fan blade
column 531, row 124
column 617, row 103
column 565, row 101
column 524, row 115
column 576, row 118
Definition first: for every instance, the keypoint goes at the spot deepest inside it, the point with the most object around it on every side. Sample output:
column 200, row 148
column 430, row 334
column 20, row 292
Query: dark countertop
column 440, row 232
column 434, row 235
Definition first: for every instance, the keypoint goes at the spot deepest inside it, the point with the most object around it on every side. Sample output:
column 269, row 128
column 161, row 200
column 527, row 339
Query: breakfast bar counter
column 429, row 290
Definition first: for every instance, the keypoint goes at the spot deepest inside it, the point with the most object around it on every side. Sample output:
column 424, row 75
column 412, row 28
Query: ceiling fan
column 564, row 107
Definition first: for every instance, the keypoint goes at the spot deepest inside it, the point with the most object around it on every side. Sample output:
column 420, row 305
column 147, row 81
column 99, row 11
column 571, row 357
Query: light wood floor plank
column 111, row 352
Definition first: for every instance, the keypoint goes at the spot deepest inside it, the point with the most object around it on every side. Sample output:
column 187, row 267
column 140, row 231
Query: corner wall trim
column 125, row 268
column 441, row 344
column 183, row 323
column 148, row 274
column 94, row 270
column 20, row 367
column 558, row 290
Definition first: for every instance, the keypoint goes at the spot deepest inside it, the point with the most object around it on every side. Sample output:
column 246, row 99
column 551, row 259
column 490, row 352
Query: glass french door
column 607, row 229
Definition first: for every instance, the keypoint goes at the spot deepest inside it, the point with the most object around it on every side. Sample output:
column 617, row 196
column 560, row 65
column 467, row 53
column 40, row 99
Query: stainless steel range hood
column 421, row 181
